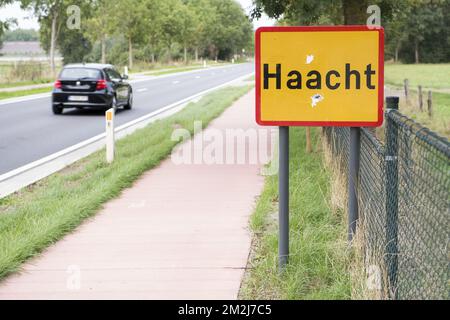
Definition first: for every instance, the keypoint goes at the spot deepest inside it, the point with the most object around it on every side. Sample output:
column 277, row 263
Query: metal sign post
column 283, row 203
column 353, row 175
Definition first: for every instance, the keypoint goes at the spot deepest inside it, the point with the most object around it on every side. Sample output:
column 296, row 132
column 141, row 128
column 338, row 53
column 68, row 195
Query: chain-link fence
column 404, row 204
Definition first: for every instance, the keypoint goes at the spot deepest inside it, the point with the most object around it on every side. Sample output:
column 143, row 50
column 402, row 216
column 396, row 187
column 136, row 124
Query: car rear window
column 80, row 73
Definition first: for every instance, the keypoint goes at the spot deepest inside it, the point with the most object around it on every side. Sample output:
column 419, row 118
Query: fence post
column 420, row 99
column 406, row 85
column 308, row 140
column 353, row 180
column 430, row 104
column 391, row 256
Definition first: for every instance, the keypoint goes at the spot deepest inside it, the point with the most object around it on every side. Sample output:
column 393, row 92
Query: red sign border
column 377, row 123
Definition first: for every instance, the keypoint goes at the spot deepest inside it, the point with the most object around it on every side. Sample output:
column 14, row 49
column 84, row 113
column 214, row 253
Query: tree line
column 21, row 35
column 123, row 31
column 416, row 30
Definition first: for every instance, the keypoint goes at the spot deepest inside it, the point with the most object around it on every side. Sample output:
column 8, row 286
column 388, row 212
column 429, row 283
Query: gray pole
column 391, row 256
column 353, row 173
column 283, row 189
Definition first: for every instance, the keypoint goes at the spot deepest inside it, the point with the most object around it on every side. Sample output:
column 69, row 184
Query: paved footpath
column 181, row 232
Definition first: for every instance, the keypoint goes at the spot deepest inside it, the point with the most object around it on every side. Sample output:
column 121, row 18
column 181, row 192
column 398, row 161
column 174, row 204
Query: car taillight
column 101, row 84
column 58, row 84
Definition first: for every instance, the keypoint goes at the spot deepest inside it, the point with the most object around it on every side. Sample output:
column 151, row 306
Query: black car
column 94, row 86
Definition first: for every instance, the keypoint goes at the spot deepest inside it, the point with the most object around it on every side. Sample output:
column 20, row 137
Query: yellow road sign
column 320, row 76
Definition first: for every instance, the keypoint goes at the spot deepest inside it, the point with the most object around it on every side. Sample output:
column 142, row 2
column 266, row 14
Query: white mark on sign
column 315, row 99
column 309, row 58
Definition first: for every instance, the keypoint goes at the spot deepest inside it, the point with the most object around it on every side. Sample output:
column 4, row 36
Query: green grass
column 24, row 83
column 39, row 215
column 427, row 75
column 319, row 259
column 15, row 94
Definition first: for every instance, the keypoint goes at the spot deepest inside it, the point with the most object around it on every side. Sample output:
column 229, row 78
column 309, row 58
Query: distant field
column 23, row 73
column 440, row 122
column 427, row 75
column 435, row 77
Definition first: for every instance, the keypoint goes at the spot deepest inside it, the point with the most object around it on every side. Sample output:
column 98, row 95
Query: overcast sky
column 27, row 21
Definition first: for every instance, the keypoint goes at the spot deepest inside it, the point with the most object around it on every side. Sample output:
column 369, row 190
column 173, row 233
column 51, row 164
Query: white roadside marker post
column 204, row 63
column 110, row 135
column 125, row 70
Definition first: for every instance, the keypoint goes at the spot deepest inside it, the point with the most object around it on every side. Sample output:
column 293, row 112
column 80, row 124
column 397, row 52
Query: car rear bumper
column 94, row 100
column 81, row 104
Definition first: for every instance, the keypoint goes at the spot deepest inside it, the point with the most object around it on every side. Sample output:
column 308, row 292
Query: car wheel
column 129, row 105
column 114, row 104
column 57, row 109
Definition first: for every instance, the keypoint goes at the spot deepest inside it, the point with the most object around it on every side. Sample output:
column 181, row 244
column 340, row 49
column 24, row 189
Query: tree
column 187, row 22
column 307, row 12
column 414, row 31
column 426, row 19
column 99, row 24
column 170, row 25
column 204, row 18
column 153, row 19
column 5, row 24
column 68, row 36
column 48, row 11
column 231, row 30
column 128, row 18
column 140, row 29
column 21, row 35
column 396, row 34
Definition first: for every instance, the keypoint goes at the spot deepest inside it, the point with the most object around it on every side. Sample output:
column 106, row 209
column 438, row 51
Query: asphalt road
column 29, row 131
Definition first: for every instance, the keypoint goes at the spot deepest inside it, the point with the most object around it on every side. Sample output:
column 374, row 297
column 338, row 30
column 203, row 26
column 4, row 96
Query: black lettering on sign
column 328, row 80
column 348, row 74
column 316, row 82
column 333, row 78
column 276, row 75
column 296, row 81
column 369, row 72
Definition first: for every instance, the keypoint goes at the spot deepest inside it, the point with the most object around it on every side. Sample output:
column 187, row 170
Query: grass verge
column 24, row 83
column 319, row 260
column 37, row 216
column 15, row 94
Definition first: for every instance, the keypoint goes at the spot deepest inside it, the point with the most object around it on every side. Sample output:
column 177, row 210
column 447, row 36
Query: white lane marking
column 142, row 90
column 25, row 98
column 175, row 82
column 197, row 77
